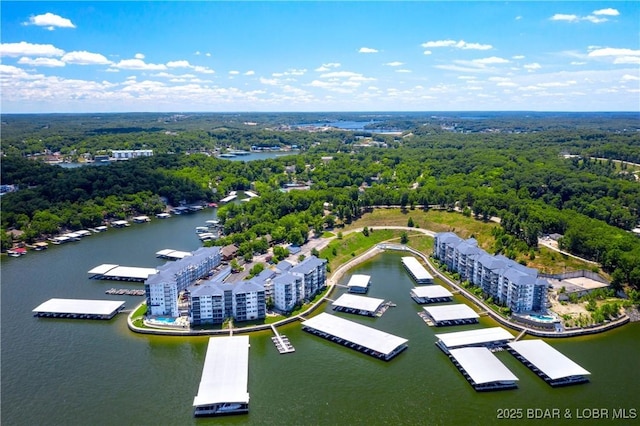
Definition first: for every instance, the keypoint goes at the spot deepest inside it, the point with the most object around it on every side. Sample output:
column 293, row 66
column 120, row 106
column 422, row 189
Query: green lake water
column 77, row 372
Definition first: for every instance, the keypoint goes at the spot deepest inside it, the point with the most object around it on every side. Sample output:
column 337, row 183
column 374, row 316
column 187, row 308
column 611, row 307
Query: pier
column 282, row 342
column 109, row 271
column 125, row 292
column 79, row 309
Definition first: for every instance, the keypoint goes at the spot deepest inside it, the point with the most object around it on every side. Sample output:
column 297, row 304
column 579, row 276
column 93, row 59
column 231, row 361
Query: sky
column 245, row 56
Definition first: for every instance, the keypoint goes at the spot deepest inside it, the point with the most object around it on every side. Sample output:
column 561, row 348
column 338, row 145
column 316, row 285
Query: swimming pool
column 542, row 318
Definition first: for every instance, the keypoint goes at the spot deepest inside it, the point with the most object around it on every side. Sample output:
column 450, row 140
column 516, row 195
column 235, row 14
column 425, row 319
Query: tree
column 365, row 231
column 235, row 266
column 410, row 223
column 404, row 238
column 315, row 252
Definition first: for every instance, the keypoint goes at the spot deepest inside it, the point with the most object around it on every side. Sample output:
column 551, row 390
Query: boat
column 17, row 252
column 163, row 215
column 201, row 229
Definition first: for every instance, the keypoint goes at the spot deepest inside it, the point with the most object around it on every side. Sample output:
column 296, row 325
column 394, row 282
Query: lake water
column 81, row 372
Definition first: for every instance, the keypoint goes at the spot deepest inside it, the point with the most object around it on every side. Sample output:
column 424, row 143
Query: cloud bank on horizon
column 319, row 56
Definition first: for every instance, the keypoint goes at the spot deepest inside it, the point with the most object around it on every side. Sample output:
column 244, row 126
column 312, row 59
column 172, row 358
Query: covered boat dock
column 431, row 294
column 359, row 283
column 225, row 375
column 482, row 369
column 416, row 270
column 79, row 309
column 108, row 271
column 493, row 337
column 360, row 305
column 171, row 254
column 456, row 314
column 356, row 336
column 548, row 363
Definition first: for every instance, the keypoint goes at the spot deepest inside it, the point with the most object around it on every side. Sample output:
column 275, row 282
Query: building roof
column 249, row 286
column 354, row 332
column 229, row 250
column 480, row 336
column 225, row 373
column 359, row 280
column 308, row 265
column 482, row 366
column 416, row 268
column 79, row 306
column 363, row 303
column 456, row 311
column 491, row 262
column 284, row 266
column 206, row 289
column 468, row 247
column 448, row 238
column 431, row 291
column 547, row 359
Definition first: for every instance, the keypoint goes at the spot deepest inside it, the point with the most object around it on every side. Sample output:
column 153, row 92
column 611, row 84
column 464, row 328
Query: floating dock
column 356, row 336
column 141, row 219
column 119, row 224
column 360, row 305
column 225, row 375
column 492, row 338
column 229, row 198
column 544, row 360
column 79, row 309
column 171, row 254
column 359, row 283
column 482, row 369
column 416, row 270
column 431, row 294
column 109, row 271
column 457, row 314
column 282, row 342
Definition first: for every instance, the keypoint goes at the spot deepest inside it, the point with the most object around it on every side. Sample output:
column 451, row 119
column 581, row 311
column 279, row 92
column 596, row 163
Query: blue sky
column 319, row 56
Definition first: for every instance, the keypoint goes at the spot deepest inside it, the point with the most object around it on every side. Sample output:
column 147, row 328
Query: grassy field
column 545, row 260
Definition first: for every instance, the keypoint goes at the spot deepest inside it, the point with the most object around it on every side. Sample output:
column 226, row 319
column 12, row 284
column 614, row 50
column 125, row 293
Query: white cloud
column 139, row 64
column 41, row 62
column 518, row 57
column 577, row 63
column 427, row 52
column 461, row 44
column 596, row 17
column 327, row 67
column 207, row 54
column 532, row 66
column 367, row 50
column 234, row 72
column 491, row 60
column 179, row 64
column 250, row 72
column 629, row 77
column 403, row 70
column 28, row 49
column 50, row 21
column 565, row 17
column 85, row 58
column 607, row 12
column 197, row 53
column 619, row 55
column 203, row 70
column 394, row 63
column 139, row 56
column 269, row 81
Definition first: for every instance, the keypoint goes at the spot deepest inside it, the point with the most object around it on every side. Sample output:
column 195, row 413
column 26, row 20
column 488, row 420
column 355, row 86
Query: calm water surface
column 75, row 372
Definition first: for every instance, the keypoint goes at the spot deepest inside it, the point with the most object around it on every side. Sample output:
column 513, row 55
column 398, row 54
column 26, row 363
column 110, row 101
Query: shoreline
column 333, row 279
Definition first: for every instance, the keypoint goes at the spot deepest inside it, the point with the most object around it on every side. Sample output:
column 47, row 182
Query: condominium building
column 313, row 272
column 212, row 302
column 499, row 277
column 162, row 289
column 125, row 154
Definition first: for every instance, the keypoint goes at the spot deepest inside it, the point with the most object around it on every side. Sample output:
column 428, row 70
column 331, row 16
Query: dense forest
column 570, row 174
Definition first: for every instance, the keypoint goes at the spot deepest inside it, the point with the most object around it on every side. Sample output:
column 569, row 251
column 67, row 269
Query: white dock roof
column 102, row 269
column 416, row 268
column 474, row 337
column 173, row 254
column 482, row 366
column 431, row 291
column 359, row 280
column 354, row 332
column 79, row 306
column 225, row 373
column 458, row 311
column 547, row 359
column 363, row 303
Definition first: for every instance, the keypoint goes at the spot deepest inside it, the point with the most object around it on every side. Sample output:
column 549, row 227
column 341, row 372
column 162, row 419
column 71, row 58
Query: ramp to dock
column 282, row 342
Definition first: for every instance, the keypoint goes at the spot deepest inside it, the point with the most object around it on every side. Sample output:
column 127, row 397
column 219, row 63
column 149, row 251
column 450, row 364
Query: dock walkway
column 282, row 342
